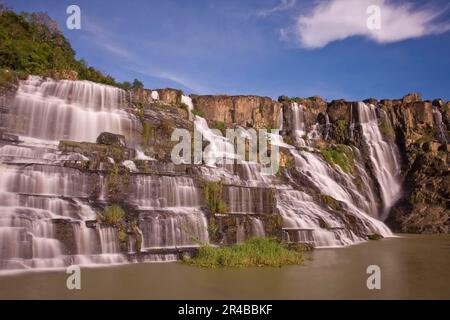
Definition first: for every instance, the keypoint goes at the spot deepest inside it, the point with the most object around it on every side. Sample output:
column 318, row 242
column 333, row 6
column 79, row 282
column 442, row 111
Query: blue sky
column 270, row 47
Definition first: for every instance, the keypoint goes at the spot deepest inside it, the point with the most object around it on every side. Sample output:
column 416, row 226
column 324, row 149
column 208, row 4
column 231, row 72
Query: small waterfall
column 219, row 147
column 298, row 123
column 170, row 211
column 188, row 102
column 72, row 110
column 159, row 192
column 155, row 95
column 186, row 228
column 257, row 228
column 108, row 240
column 440, row 124
column 302, row 221
column 384, row 157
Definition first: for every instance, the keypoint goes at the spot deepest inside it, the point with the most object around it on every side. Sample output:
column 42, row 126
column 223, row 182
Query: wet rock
column 111, row 139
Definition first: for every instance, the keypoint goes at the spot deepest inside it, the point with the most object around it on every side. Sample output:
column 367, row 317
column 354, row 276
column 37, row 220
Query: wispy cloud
column 281, row 6
column 103, row 38
column 337, row 20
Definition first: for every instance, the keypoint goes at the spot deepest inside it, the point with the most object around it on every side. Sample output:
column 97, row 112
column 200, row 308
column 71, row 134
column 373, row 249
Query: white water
column 71, row 110
column 188, row 101
column 383, row 155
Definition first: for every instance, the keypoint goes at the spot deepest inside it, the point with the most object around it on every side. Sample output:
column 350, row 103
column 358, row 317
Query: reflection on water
column 412, row 267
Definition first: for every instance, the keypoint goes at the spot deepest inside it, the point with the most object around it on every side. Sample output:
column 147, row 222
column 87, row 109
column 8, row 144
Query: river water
column 412, row 267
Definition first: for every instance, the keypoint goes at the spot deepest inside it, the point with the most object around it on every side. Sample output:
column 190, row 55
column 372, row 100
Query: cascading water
column 170, row 212
column 72, row 110
column 384, row 157
column 298, row 123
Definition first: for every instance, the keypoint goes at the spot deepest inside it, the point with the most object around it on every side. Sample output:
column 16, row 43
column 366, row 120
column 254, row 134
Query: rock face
column 169, row 95
column 247, row 111
column 423, row 136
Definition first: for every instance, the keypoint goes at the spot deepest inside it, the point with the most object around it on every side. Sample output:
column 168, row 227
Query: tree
column 137, row 84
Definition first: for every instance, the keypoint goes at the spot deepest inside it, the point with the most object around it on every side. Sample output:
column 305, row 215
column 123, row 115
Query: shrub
column 112, row 215
column 197, row 112
column 213, row 197
column 257, row 251
column 340, row 155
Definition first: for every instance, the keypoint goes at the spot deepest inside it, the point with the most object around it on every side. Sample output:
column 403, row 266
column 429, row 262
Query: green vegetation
column 8, row 77
column 112, row 215
column 197, row 112
column 256, row 251
column 116, row 183
column 146, row 132
column 219, row 125
column 213, row 197
column 375, row 236
column 32, row 43
column 340, row 155
column 386, row 129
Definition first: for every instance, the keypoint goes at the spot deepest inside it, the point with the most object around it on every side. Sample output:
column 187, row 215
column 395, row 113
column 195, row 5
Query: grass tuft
column 255, row 252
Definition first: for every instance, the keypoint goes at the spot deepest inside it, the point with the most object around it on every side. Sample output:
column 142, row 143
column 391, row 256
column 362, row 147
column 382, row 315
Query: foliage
column 219, row 125
column 386, row 129
column 137, row 84
column 8, row 77
column 32, row 43
column 256, row 251
column 340, row 155
column 375, row 236
column 112, row 215
column 197, row 112
column 146, row 132
column 213, row 197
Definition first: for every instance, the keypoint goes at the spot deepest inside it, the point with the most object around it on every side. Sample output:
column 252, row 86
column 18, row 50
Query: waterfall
column 72, row 110
column 440, row 124
column 154, row 95
column 188, row 102
column 257, row 228
column 170, row 211
column 185, row 228
column 384, row 157
column 298, row 123
column 219, row 147
column 159, row 192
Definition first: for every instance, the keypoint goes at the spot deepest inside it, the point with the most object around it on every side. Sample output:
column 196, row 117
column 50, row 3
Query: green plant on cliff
column 212, row 192
column 257, row 251
column 32, row 43
column 386, row 129
column 197, row 112
column 112, row 215
column 116, row 182
column 146, row 132
column 219, row 125
column 340, row 155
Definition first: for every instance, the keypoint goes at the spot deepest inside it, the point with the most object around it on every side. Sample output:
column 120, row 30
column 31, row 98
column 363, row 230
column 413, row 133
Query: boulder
column 111, row 139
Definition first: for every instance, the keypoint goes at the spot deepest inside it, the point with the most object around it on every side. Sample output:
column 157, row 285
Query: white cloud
column 282, row 5
column 339, row 19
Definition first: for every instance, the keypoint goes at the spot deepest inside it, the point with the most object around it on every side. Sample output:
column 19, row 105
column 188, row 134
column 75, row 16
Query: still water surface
column 412, row 267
